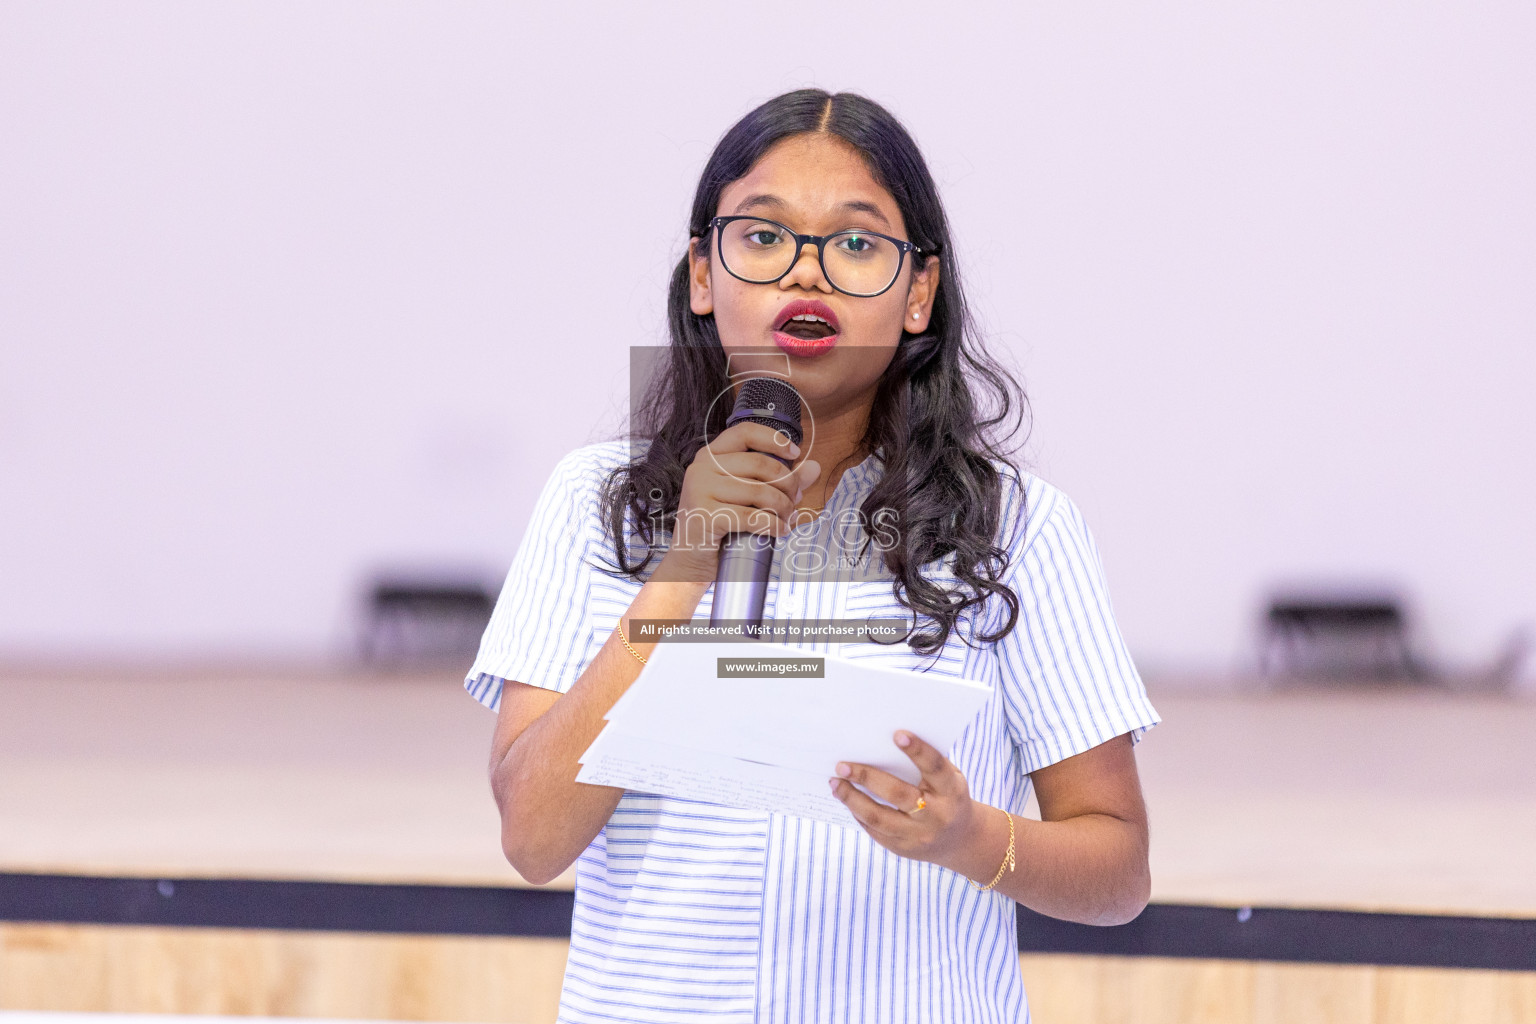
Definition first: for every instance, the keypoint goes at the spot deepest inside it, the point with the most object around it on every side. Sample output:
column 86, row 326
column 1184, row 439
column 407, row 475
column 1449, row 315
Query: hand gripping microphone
column 741, row 583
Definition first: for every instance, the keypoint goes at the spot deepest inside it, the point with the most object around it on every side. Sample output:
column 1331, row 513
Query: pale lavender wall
column 290, row 289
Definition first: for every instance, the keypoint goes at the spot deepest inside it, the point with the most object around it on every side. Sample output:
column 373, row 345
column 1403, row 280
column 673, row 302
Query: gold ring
column 921, row 803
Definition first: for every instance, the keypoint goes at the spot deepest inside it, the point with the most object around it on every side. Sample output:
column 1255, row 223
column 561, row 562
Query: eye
column 759, row 234
column 862, row 246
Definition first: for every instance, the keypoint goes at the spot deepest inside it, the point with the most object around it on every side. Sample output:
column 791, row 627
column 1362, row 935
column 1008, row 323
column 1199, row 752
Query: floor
column 1377, row 798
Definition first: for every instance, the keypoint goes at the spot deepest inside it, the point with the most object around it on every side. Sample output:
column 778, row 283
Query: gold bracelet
column 625, row 641
column 1007, row 864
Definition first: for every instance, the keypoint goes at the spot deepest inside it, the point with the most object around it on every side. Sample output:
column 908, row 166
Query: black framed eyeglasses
column 761, row 251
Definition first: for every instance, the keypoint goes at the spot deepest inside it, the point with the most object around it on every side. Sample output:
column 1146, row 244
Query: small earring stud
column 914, row 316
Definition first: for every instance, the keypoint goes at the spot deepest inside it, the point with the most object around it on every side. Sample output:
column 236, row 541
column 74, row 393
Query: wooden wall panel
column 113, row 968
column 1418, row 995
column 1154, row 990
column 279, row 973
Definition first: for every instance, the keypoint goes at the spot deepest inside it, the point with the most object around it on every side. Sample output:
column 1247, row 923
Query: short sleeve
column 541, row 626
column 1068, row 680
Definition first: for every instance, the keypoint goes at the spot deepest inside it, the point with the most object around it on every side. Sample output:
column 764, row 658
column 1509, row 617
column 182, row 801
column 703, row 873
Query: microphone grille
column 771, row 402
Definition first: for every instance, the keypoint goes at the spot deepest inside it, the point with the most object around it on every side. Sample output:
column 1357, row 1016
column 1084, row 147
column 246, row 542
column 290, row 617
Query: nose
column 807, row 272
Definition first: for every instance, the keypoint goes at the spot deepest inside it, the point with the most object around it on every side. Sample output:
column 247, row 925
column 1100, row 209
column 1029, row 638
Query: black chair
column 411, row 622
column 1339, row 638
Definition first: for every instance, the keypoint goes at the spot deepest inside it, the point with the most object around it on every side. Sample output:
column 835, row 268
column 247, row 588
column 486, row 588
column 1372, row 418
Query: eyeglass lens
column 761, row 251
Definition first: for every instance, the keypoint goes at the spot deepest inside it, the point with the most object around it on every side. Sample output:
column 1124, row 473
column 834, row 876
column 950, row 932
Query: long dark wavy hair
column 935, row 438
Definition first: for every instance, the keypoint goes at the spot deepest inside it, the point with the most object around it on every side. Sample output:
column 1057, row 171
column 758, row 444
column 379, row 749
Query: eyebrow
column 774, row 202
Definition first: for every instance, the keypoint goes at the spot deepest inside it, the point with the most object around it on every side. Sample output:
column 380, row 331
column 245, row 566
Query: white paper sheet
column 769, row 743
column 652, row 766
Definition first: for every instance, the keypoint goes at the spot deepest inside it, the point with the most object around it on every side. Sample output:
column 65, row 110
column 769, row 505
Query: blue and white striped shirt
column 688, row 911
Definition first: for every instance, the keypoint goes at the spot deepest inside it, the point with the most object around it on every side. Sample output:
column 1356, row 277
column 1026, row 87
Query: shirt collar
column 861, row 479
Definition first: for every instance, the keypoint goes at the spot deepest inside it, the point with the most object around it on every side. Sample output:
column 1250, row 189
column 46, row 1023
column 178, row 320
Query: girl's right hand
column 732, row 486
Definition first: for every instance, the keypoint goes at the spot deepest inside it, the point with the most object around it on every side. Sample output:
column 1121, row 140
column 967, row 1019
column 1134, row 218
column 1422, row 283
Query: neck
column 837, row 447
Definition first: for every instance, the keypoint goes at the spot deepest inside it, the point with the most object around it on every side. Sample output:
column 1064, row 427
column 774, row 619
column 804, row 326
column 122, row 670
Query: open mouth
column 808, row 327
column 806, row 322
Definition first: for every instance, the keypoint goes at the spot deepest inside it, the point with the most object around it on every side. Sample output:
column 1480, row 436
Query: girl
column 819, row 246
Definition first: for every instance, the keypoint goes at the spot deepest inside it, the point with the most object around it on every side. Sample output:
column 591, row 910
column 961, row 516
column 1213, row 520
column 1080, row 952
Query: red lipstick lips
column 809, row 312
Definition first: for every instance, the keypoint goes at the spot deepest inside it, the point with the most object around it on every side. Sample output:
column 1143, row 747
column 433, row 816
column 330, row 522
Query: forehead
column 812, row 182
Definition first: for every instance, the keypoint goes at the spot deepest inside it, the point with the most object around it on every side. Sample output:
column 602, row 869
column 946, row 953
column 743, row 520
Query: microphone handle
column 741, row 582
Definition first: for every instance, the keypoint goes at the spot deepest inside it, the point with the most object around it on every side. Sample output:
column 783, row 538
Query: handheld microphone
column 741, row 583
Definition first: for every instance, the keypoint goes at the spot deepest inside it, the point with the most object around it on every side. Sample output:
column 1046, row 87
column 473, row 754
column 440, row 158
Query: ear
column 920, row 296
column 700, row 299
